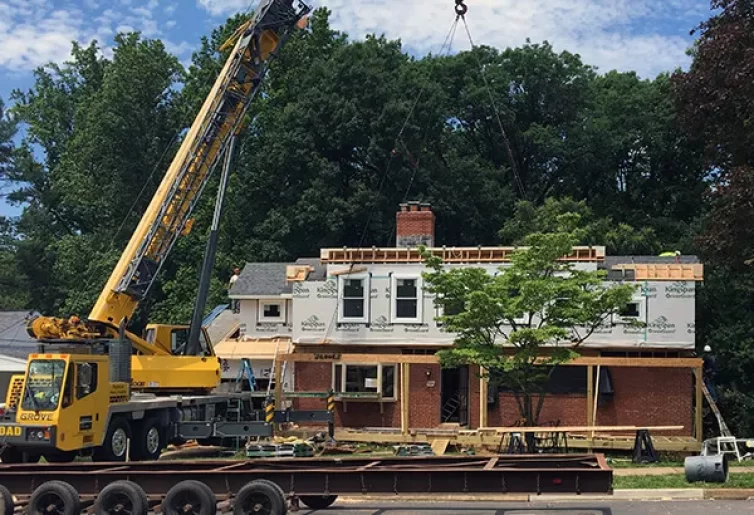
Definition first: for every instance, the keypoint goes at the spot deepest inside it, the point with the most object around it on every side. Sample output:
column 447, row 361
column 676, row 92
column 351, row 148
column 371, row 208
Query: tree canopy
column 540, row 305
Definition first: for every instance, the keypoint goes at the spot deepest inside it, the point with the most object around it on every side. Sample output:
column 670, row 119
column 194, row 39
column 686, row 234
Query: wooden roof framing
column 385, row 255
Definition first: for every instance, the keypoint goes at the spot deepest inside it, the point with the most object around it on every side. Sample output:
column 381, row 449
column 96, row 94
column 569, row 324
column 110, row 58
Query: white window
column 634, row 310
column 407, row 299
column 377, row 379
column 353, row 294
column 450, row 309
column 271, row 311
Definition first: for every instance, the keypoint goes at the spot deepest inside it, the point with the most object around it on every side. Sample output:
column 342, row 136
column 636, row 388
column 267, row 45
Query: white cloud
column 611, row 34
column 36, row 32
column 224, row 7
column 607, row 33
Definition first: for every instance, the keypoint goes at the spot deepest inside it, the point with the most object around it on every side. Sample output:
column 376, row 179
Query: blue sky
column 649, row 36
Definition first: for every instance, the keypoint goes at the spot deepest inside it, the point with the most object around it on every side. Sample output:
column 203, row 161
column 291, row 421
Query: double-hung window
column 406, row 299
column 353, row 294
column 634, row 310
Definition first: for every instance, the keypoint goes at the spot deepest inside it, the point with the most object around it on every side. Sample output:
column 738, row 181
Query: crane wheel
column 120, row 498
column 61, row 456
column 54, row 498
column 318, row 502
column 189, row 497
column 259, row 496
column 6, row 501
column 148, row 441
column 116, row 441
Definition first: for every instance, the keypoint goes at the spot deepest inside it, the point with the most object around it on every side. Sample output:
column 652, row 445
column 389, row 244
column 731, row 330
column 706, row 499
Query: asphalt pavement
column 559, row 508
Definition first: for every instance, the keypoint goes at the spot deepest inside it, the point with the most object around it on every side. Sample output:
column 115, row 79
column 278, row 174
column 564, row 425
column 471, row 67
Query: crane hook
column 461, row 7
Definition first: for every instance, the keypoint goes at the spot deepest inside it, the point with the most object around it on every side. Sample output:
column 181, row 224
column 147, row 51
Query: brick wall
column 415, row 225
column 643, row 396
column 425, row 398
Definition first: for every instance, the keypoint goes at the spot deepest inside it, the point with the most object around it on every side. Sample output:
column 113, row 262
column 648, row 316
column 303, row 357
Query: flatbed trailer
column 267, row 486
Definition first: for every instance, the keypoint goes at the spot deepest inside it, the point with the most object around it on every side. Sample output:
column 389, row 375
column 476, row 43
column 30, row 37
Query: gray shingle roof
column 269, row 278
column 611, row 261
column 262, row 279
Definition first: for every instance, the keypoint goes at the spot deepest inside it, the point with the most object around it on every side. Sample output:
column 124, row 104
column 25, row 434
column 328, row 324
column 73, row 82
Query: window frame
column 394, row 278
column 366, row 296
column 260, row 311
column 339, row 389
column 641, row 303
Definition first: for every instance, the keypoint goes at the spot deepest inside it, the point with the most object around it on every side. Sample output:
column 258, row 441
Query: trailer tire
column 318, row 502
column 122, row 497
column 189, row 494
column 260, row 496
column 148, row 441
column 114, row 447
column 54, row 498
column 6, row 501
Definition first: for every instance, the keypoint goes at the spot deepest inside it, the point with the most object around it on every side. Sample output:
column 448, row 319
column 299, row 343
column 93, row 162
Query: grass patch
column 745, row 480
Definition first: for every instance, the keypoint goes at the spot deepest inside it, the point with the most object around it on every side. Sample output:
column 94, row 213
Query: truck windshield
column 43, row 385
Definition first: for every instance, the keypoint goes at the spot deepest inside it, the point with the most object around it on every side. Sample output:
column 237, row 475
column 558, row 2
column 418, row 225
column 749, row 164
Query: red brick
column 642, row 396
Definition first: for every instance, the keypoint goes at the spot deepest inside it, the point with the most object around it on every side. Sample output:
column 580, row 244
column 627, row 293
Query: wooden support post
column 589, row 400
column 405, row 397
column 699, row 429
column 595, row 402
column 278, row 386
column 483, row 386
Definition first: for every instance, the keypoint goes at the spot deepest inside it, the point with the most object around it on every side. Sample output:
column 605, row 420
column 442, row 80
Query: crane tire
column 114, row 446
column 148, row 441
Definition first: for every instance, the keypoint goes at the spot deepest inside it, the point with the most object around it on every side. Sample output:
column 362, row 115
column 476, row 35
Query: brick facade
column 415, row 225
column 642, row 396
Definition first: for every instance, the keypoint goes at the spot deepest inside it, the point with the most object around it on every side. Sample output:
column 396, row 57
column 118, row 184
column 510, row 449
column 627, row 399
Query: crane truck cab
column 58, row 407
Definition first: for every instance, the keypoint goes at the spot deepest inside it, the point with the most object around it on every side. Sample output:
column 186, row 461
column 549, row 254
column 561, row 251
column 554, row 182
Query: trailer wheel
column 6, row 501
column 54, row 498
column 318, row 502
column 189, row 498
column 259, row 497
column 148, row 441
column 122, row 498
column 115, row 444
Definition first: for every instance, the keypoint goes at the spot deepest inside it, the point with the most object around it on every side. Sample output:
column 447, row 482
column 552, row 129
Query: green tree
column 714, row 102
column 527, row 319
column 98, row 133
column 618, row 238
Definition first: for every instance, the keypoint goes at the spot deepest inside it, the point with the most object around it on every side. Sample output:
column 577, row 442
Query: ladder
column 273, row 379
column 244, row 369
column 724, row 431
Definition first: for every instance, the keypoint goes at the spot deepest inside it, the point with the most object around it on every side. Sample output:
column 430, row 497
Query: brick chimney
column 415, row 225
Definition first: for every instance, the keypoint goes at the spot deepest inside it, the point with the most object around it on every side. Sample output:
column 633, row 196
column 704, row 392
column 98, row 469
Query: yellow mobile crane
column 104, row 386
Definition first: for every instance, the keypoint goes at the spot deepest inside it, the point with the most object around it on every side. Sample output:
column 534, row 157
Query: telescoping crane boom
column 254, row 46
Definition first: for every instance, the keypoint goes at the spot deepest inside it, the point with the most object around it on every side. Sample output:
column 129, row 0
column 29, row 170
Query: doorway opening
column 455, row 396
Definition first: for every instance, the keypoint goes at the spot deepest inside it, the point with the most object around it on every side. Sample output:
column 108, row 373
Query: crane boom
column 167, row 216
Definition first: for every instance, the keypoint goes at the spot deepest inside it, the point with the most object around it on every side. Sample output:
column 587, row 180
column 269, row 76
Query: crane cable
column 461, row 10
column 447, row 42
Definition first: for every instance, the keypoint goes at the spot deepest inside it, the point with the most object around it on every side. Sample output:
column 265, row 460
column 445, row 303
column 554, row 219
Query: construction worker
column 233, row 279
column 708, row 371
